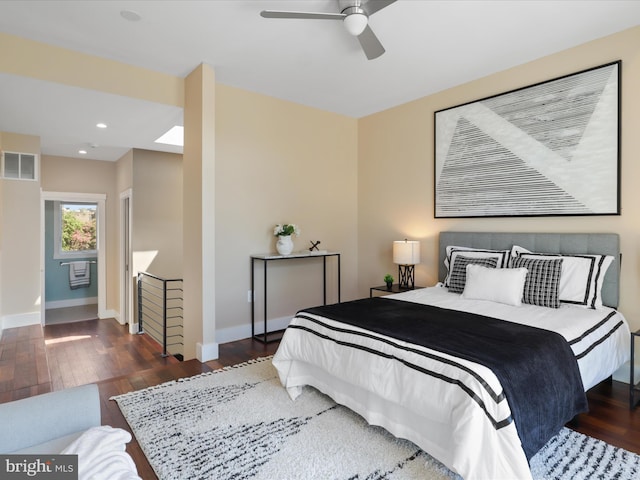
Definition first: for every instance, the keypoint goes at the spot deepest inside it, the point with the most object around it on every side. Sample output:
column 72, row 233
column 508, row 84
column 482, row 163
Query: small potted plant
column 388, row 279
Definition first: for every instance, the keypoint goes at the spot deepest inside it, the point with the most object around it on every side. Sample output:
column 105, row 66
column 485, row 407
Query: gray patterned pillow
column 542, row 284
column 458, row 277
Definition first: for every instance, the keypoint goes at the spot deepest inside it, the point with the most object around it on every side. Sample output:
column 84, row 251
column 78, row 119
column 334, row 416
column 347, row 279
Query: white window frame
column 36, row 166
column 58, row 253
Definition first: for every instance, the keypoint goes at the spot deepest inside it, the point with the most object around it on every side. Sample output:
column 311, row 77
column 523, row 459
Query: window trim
column 58, row 253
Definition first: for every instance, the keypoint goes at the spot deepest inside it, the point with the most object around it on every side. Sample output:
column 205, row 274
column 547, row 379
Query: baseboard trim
column 21, row 320
column 110, row 314
column 206, row 351
column 72, row 302
column 231, row 334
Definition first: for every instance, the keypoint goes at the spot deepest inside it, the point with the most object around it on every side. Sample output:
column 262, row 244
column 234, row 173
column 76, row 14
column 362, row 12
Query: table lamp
column 406, row 253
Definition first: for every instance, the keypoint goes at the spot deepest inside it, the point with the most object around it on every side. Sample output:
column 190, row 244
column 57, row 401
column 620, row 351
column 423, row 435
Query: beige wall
column 356, row 185
column 279, row 162
column 32, row 59
column 19, row 239
column 396, row 165
column 19, row 56
column 63, row 174
column 156, row 178
column 124, row 172
column 157, row 213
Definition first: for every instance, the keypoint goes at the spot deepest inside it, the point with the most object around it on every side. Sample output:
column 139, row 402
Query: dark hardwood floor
column 36, row 360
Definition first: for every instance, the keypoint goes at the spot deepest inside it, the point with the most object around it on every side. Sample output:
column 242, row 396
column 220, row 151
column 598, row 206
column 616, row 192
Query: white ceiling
column 431, row 45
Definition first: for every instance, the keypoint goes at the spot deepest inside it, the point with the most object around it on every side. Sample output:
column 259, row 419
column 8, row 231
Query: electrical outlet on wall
column 249, row 296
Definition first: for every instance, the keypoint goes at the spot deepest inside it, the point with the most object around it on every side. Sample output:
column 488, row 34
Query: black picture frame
column 548, row 149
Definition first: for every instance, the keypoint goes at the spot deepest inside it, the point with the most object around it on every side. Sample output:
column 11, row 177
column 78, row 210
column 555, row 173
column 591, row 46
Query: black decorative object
column 406, row 275
column 314, row 245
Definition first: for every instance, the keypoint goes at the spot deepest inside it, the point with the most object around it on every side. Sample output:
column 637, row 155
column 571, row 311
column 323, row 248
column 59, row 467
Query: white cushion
column 452, row 251
column 502, row 285
column 581, row 278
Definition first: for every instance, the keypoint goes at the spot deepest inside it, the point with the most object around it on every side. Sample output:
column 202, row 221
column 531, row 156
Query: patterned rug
column 239, row 423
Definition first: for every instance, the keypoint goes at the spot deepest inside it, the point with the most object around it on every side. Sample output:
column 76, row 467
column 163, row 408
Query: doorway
column 72, row 257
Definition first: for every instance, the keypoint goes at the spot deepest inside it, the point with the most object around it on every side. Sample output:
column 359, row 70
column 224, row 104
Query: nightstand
column 395, row 288
column 633, row 387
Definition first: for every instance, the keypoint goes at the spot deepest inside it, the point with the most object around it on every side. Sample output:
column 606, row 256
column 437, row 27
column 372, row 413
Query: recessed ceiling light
column 82, row 152
column 130, row 15
column 101, row 125
column 175, row 136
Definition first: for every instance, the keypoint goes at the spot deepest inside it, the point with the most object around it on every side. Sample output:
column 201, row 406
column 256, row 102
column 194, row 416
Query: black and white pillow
column 582, row 275
column 458, row 276
column 542, row 284
column 452, row 251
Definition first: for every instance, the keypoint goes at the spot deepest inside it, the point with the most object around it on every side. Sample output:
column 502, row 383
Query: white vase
column 284, row 245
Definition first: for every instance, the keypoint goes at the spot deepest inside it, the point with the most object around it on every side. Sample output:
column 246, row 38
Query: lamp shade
column 355, row 23
column 406, row 252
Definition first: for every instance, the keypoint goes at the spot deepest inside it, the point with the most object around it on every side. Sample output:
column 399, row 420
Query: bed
column 481, row 408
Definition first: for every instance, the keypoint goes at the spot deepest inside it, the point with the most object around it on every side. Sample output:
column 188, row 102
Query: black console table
column 267, row 337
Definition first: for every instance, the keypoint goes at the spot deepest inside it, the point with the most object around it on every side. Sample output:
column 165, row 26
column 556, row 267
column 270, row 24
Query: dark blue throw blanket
column 536, row 367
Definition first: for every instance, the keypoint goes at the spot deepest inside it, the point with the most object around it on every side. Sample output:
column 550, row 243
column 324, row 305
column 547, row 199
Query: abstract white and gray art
column 547, row 149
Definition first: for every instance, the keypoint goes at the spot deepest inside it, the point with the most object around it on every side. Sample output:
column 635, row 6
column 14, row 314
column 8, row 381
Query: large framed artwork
column 548, row 149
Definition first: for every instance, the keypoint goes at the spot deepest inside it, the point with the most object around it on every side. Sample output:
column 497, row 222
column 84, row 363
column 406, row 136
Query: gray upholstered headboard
column 594, row 243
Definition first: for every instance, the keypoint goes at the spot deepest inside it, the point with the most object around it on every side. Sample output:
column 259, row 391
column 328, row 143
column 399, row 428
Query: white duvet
column 434, row 407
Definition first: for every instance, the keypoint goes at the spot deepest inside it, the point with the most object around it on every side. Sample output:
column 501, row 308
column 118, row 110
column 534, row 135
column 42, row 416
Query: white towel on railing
column 79, row 274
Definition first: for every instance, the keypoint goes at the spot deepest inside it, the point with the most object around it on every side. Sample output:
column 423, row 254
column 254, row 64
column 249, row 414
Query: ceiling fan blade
column 310, row 15
column 370, row 44
column 372, row 6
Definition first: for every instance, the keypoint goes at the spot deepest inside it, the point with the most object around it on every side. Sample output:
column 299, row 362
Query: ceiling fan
column 355, row 15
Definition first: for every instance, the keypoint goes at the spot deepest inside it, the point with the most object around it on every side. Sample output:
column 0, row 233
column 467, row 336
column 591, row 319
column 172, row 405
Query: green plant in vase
column 388, row 279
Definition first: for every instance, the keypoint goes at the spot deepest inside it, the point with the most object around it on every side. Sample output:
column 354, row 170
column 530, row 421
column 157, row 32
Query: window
column 20, row 166
column 75, row 229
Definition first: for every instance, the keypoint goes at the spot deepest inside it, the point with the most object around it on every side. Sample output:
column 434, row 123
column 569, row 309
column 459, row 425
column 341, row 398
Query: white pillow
column 502, row 285
column 452, row 251
column 582, row 275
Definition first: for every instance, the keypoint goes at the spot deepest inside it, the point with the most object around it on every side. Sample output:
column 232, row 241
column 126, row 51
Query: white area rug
column 239, row 423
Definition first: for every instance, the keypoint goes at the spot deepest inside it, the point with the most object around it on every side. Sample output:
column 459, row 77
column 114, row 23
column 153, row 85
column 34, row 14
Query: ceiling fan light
column 355, row 23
